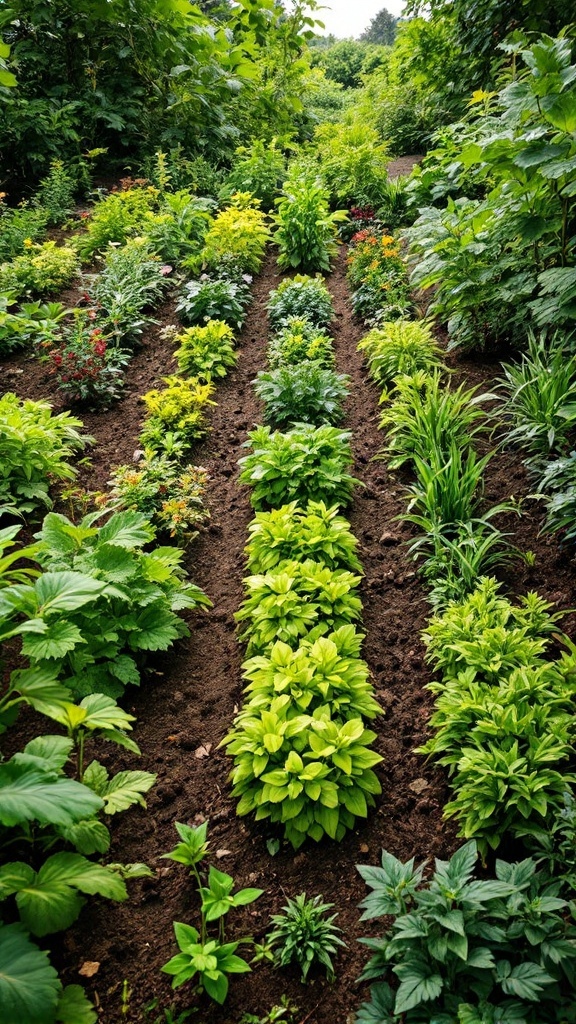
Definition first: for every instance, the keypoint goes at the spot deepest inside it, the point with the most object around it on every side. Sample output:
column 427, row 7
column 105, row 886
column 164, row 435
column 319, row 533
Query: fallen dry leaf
column 203, row 750
column 89, row 968
column 418, row 786
column 223, row 853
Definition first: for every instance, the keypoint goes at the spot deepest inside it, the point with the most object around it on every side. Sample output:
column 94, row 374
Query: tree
column 382, row 29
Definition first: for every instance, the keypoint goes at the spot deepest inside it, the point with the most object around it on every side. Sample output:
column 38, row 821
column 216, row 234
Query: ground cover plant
column 206, row 352
column 301, row 296
column 299, row 339
column 44, row 268
column 302, row 393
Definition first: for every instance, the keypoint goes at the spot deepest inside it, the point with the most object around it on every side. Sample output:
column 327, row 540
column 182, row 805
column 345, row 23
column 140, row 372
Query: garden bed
column 187, row 705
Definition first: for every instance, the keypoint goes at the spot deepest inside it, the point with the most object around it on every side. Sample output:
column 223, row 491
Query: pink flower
column 166, row 269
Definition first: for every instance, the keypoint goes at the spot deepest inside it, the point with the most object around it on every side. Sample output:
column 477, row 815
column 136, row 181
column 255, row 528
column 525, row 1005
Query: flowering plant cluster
column 378, row 276
column 86, row 368
column 170, row 495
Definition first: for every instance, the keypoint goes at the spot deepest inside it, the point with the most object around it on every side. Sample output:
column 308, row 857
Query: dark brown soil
column 185, row 709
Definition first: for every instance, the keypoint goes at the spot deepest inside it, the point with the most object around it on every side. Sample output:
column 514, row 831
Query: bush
column 17, row 225
column 85, row 367
column 177, row 231
column 55, row 195
column 314, row 532
column 179, row 409
column 258, row 169
column 236, row 240
column 300, row 341
column 41, row 270
column 206, row 352
column 305, row 393
column 301, row 296
column 132, row 280
column 116, row 217
column 206, row 300
column 306, row 463
column 35, row 447
column 306, row 230
column 353, row 164
column 400, row 348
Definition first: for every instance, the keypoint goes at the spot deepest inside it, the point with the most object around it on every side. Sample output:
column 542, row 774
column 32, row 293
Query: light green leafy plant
column 179, row 409
column 306, row 230
column 400, row 347
column 206, row 352
column 297, row 341
column 305, row 463
column 303, row 393
column 315, row 532
column 301, row 296
column 42, row 269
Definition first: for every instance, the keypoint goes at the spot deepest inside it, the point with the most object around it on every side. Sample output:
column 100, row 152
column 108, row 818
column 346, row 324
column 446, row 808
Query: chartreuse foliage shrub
column 353, row 163
column 259, row 169
column 42, row 269
column 102, row 601
column 294, row 598
column 206, row 352
column 297, row 341
column 236, row 239
column 306, row 231
column 305, row 463
column 303, row 393
column 116, row 217
column 468, row 950
column 400, row 347
column 504, row 713
column 315, row 532
column 17, row 224
column 35, row 448
column 301, row 296
column 179, row 409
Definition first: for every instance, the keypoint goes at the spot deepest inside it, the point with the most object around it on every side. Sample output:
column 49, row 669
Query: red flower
column 100, row 348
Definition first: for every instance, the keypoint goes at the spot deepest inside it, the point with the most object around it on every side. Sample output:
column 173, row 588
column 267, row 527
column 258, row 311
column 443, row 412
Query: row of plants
column 300, row 744
column 463, row 949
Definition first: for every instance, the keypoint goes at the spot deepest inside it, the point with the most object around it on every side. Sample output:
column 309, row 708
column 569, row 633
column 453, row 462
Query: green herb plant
column 302, row 393
column 301, row 296
column 206, row 352
column 305, row 934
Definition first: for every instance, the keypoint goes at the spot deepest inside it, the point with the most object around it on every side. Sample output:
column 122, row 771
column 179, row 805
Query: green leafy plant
column 400, row 348
column 131, row 281
column 311, row 773
column 178, row 409
column 297, row 341
column 42, row 269
column 167, row 493
column 35, row 446
column 353, row 163
column 18, row 224
column 314, row 532
column 305, row 463
column 176, row 232
column 236, row 239
column 540, row 399
column 206, row 352
column 102, row 601
column 558, row 482
column 306, row 934
column 35, row 322
column 301, row 296
column 325, row 670
column 304, row 393
column 206, row 300
column 306, row 230
column 259, row 169
column 210, row 960
column 428, row 420
column 463, row 948
column 116, row 217
column 292, row 599
column 55, row 195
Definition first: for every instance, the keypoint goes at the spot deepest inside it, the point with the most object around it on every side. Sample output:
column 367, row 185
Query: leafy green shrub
column 304, row 393
column 559, row 478
column 35, row 321
column 353, row 163
column 167, row 493
column 400, row 347
column 428, row 420
column 466, row 949
column 236, row 239
column 17, row 226
column 116, row 217
column 176, row 232
column 180, row 409
column 540, row 399
column 103, row 601
column 301, row 296
column 328, row 670
column 35, row 447
column 131, row 281
column 314, row 532
column 206, row 352
column 306, row 230
column 448, row 490
column 294, row 598
column 55, row 195
column 205, row 300
column 41, row 270
column 302, row 464
column 299, row 340
column 313, row 774
column 258, row 169
column 303, row 933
